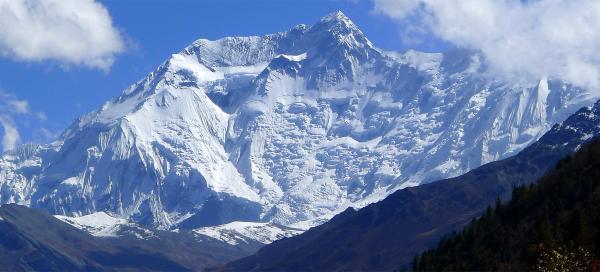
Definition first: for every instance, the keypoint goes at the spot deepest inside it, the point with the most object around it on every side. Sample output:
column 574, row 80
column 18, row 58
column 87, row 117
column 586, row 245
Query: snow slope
column 288, row 128
column 98, row 224
column 101, row 224
column 236, row 233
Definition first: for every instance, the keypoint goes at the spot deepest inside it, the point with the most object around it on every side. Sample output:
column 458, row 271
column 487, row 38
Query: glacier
column 288, row 128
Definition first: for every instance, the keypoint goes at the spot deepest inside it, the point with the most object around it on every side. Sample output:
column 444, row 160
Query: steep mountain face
column 289, row 128
column 551, row 226
column 31, row 240
column 387, row 235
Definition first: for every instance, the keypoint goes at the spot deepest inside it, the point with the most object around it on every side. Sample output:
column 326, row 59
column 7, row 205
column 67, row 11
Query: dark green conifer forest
column 553, row 225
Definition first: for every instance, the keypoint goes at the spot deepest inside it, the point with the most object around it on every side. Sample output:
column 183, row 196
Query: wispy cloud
column 71, row 32
column 522, row 40
column 12, row 108
column 11, row 137
column 44, row 135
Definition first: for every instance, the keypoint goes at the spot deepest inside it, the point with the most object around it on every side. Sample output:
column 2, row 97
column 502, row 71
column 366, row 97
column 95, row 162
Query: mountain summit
column 289, row 128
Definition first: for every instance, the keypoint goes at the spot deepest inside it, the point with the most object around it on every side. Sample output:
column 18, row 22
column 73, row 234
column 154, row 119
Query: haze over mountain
column 289, row 128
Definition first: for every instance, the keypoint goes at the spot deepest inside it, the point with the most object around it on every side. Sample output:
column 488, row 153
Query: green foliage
column 553, row 225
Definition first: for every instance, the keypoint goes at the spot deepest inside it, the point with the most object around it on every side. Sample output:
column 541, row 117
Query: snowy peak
column 334, row 45
column 337, row 17
column 337, row 23
column 342, row 29
column 337, row 39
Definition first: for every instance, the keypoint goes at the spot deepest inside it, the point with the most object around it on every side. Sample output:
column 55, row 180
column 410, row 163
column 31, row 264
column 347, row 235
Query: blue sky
column 153, row 30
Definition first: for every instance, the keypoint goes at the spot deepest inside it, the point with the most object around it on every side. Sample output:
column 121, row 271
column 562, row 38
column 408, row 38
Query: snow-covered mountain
column 236, row 233
column 288, row 128
column 102, row 224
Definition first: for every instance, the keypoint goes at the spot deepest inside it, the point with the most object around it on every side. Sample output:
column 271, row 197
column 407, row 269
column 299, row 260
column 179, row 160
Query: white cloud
column 12, row 108
column 11, row 136
column 72, row 32
column 19, row 106
column 520, row 39
column 42, row 116
column 44, row 135
column 10, row 104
